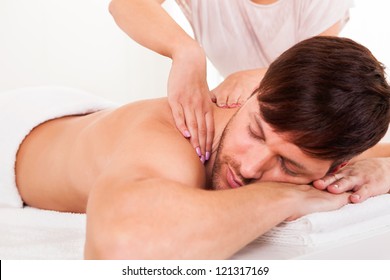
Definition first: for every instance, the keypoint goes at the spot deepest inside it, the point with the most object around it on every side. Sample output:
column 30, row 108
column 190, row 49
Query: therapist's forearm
column 146, row 22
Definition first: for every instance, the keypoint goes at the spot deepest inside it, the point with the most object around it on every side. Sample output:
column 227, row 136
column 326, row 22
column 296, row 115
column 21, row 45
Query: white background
column 278, row 270
column 77, row 43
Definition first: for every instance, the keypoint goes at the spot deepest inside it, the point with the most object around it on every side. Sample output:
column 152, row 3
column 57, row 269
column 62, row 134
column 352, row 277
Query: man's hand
column 314, row 200
column 364, row 178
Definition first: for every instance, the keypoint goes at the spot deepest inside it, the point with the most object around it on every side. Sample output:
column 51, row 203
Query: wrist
column 280, row 199
column 190, row 52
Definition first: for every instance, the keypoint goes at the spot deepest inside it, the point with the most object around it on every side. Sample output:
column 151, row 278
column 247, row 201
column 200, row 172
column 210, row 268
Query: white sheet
column 29, row 233
column 25, row 108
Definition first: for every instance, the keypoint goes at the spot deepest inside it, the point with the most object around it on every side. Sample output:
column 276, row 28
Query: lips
column 233, row 182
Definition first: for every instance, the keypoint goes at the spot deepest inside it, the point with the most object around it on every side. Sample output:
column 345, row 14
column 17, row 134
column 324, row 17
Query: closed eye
column 287, row 170
column 254, row 134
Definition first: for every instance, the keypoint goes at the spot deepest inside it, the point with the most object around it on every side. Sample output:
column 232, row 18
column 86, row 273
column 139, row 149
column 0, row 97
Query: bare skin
column 70, row 153
column 188, row 92
column 143, row 187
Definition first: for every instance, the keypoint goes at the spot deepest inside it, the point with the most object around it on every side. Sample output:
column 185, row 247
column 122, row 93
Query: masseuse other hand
column 190, row 101
column 365, row 178
column 237, row 88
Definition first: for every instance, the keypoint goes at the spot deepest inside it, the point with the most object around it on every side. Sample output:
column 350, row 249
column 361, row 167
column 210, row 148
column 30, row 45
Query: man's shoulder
column 151, row 146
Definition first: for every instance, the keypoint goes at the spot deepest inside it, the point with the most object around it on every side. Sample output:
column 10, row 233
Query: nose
column 255, row 164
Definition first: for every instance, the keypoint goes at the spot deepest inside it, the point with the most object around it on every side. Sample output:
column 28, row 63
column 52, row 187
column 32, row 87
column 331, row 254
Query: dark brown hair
column 328, row 96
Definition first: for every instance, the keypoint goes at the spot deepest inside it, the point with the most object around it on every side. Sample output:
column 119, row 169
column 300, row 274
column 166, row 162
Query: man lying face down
column 147, row 195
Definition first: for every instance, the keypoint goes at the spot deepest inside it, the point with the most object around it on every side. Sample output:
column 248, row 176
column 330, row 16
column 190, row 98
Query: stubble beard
column 220, row 160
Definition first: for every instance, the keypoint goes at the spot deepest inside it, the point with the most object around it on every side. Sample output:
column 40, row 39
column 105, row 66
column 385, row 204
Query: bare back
column 60, row 161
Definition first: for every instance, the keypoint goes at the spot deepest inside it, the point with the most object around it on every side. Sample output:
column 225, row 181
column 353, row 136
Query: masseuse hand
column 365, row 178
column 237, row 88
column 190, row 101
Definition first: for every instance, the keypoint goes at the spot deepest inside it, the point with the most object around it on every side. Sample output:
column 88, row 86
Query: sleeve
column 316, row 16
column 185, row 6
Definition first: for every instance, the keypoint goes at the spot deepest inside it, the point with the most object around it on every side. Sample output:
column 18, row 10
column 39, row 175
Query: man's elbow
column 114, row 247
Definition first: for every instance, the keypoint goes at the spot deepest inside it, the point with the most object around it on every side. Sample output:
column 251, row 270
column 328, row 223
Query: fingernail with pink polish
column 202, row 159
column 187, row 134
column 198, row 152
column 207, row 155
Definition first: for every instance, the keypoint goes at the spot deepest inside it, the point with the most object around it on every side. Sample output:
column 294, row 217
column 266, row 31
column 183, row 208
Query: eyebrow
column 297, row 165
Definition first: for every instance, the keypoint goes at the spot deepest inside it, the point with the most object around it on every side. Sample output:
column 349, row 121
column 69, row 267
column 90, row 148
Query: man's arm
column 163, row 219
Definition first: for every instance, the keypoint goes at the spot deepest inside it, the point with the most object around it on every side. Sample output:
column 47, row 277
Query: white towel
column 23, row 109
column 351, row 222
column 30, row 233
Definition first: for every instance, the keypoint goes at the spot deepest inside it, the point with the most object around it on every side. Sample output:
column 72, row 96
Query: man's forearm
column 160, row 219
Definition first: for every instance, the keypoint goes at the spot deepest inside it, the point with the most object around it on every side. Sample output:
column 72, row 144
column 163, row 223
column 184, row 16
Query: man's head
column 321, row 102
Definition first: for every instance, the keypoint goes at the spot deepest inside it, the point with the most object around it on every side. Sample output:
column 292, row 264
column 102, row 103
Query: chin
column 218, row 188
column 218, row 185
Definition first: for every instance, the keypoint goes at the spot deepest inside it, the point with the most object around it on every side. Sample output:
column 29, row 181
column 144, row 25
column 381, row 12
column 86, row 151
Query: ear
column 338, row 167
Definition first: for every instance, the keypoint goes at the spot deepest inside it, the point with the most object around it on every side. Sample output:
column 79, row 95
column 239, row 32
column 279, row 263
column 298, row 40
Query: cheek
column 276, row 175
column 240, row 148
column 279, row 176
column 239, row 139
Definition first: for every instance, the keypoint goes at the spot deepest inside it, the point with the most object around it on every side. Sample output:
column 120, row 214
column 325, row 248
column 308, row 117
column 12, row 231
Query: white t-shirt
column 240, row 35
